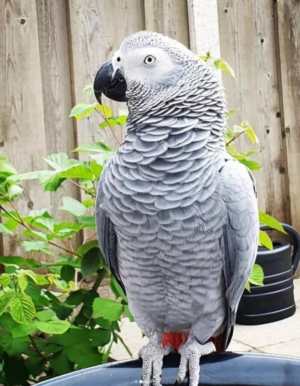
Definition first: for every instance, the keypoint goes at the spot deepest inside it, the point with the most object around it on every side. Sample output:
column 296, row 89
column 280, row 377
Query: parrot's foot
column 152, row 355
column 191, row 352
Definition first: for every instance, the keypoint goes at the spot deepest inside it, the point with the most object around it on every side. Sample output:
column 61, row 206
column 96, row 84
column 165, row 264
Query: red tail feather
column 176, row 338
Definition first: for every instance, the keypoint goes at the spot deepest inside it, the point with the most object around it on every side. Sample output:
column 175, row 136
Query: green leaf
column 221, row 64
column 27, row 176
column 84, row 355
column 22, row 309
column 59, row 161
column 60, row 363
column 67, row 226
column 270, row 221
column 15, row 370
column 35, row 365
column 112, row 121
column 5, row 299
column 53, row 327
column 75, row 298
column 67, row 273
column 21, row 330
column 88, row 203
column 122, row 119
column 96, row 168
column 90, row 262
column 36, row 246
column 87, row 221
column 4, row 229
column 82, row 110
column 28, row 273
column 117, row 290
column 108, row 309
column 39, row 213
column 42, row 280
column 265, row 240
column 4, row 280
column 45, row 316
column 251, row 135
column 50, row 180
column 257, row 275
column 99, row 337
column 105, row 110
column 18, row 261
column 97, row 147
column 252, row 165
column 84, row 248
column 22, row 282
column 230, row 112
column 15, row 329
column 88, row 90
column 78, row 171
column 102, row 158
column 14, row 191
column 11, row 224
column 32, row 233
column 73, row 206
column 128, row 314
column 45, row 223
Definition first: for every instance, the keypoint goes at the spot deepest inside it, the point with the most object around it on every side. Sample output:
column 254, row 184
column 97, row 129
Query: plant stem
column 101, row 274
column 36, row 348
column 123, row 343
column 21, row 222
column 111, row 129
column 81, row 187
column 16, row 210
column 235, row 137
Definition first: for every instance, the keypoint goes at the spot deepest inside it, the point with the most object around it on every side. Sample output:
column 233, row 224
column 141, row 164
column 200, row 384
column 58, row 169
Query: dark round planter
column 217, row 369
column 275, row 300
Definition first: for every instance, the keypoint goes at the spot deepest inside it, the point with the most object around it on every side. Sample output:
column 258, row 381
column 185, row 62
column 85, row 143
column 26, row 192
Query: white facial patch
column 146, row 63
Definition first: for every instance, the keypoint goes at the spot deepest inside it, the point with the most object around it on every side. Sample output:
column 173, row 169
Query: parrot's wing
column 106, row 234
column 240, row 234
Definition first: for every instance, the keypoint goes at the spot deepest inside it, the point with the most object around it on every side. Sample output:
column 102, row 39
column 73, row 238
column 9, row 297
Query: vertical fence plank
column 288, row 29
column 169, row 17
column 204, row 27
column 97, row 29
column 22, row 130
column 247, row 41
column 56, row 84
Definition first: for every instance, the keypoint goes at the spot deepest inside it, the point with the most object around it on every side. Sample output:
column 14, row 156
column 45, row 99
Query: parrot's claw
column 191, row 352
column 152, row 355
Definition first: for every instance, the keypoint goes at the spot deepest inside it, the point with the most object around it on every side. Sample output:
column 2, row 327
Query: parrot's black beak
column 112, row 86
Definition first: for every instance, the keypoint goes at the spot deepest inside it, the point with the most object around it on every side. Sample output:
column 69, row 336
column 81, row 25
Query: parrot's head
column 147, row 66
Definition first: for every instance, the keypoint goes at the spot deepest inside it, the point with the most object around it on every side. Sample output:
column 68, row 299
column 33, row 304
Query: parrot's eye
column 118, row 59
column 149, row 59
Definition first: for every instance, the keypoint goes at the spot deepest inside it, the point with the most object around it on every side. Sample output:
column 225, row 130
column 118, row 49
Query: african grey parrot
column 177, row 217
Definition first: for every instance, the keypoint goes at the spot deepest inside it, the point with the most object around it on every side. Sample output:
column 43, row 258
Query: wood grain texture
column 22, row 129
column 97, row 28
column 204, row 27
column 169, row 17
column 288, row 29
column 247, row 40
column 57, row 90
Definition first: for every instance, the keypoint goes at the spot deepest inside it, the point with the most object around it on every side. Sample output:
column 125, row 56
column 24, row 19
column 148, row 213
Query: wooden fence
column 50, row 49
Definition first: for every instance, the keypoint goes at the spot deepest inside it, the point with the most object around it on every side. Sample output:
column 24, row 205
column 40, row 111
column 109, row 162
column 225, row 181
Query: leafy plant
column 51, row 321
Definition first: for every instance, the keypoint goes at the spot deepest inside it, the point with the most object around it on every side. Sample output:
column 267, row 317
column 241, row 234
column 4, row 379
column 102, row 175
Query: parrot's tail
column 175, row 339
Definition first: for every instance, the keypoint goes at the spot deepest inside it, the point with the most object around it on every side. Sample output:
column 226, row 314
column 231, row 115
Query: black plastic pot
column 275, row 300
column 216, row 369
